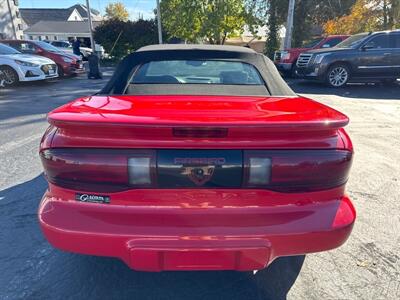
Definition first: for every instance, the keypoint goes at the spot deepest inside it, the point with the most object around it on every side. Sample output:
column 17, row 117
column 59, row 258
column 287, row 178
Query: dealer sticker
column 92, row 198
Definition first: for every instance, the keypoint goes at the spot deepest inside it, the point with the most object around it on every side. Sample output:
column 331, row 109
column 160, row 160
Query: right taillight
column 296, row 170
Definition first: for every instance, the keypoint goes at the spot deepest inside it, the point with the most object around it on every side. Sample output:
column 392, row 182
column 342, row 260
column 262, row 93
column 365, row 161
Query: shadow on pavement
column 362, row 91
column 32, row 269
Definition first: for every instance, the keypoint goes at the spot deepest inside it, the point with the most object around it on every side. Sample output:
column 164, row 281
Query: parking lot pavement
column 366, row 267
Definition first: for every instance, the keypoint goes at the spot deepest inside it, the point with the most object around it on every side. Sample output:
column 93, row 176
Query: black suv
column 364, row 57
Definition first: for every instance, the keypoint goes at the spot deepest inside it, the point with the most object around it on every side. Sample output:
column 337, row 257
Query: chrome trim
column 377, row 67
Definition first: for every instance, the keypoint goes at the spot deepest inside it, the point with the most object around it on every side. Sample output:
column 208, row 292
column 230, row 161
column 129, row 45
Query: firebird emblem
column 199, row 175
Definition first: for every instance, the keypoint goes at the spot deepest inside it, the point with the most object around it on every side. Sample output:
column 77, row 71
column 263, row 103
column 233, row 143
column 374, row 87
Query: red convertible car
column 196, row 157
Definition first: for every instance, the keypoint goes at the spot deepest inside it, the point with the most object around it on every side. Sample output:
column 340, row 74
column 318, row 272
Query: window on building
column 17, row 13
column 55, row 38
column 31, row 37
column 20, row 27
column 47, row 37
column 40, row 37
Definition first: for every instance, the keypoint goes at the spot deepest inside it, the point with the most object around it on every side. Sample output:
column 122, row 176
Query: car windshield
column 198, row 72
column 352, row 41
column 312, row 43
column 47, row 46
column 7, row 50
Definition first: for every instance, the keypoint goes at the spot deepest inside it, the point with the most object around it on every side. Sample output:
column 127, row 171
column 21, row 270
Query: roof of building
column 33, row 15
column 196, row 47
column 52, row 27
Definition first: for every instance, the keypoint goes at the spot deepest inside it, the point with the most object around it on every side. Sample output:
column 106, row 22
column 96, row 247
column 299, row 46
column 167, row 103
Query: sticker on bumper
column 92, row 198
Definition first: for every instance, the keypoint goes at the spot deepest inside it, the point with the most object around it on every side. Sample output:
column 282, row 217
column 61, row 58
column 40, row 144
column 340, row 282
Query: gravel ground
column 366, row 267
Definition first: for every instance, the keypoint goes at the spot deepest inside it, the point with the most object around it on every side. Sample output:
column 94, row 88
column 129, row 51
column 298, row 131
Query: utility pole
column 90, row 27
column 289, row 25
column 159, row 23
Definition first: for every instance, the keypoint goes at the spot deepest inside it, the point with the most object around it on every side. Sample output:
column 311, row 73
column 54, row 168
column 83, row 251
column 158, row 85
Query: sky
column 135, row 7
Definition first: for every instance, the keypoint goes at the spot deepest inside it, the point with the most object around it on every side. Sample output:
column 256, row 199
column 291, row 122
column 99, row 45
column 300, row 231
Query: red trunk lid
column 150, row 121
column 293, row 113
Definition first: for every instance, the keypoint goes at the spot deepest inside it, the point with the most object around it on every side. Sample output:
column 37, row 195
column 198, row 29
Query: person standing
column 76, row 44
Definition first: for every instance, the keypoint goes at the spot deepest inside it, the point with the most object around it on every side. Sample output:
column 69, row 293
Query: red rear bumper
column 233, row 235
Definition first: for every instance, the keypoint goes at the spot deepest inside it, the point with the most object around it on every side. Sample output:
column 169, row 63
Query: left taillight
column 102, row 170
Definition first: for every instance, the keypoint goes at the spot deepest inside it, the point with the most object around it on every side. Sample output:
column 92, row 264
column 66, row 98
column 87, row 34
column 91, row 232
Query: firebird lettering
column 199, row 161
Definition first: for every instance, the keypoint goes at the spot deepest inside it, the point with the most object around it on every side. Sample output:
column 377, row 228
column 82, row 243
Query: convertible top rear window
column 197, row 72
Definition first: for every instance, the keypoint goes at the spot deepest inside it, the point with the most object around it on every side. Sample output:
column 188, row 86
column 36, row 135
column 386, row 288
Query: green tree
column 119, row 38
column 117, row 11
column 272, row 43
column 207, row 20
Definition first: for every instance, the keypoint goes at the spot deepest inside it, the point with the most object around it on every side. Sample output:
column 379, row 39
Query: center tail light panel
column 114, row 170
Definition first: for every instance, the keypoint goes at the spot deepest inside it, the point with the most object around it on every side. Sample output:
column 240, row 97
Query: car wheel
column 11, row 77
column 338, row 75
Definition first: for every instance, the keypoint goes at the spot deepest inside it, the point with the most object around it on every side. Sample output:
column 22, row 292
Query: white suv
column 18, row 67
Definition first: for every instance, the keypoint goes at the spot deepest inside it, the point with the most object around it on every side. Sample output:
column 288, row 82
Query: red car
column 67, row 63
column 285, row 60
column 196, row 157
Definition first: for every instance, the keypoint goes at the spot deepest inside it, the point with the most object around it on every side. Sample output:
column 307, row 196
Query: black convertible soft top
column 120, row 81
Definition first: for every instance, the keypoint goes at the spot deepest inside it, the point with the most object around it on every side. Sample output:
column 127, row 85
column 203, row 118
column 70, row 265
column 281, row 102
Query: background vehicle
column 85, row 51
column 364, row 57
column 285, row 60
column 204, row 159
column 16, row 67
column 68, row 64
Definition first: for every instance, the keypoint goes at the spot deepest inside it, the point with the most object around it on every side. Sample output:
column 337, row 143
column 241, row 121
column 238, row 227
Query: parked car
column 204, row 159
column 68, row 64
column 285, row 60
column 16, row 67
column 364, row 57
column 85, row 51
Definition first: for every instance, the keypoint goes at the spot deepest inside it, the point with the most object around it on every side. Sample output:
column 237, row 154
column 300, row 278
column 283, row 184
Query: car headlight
column 25, row 63
column 285, row 55
column 67, row 59
column 319, row 57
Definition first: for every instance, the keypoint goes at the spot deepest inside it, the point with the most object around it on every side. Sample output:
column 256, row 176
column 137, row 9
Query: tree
column 307, row 15
column 272, row 43
column 366, row 15
column 208, row 20
column 117, row 11
column 119, row 38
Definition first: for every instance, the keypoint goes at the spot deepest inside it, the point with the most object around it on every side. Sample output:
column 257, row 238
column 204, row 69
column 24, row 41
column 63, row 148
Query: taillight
column 101, row 170
column 112, row 170
column 296, row 170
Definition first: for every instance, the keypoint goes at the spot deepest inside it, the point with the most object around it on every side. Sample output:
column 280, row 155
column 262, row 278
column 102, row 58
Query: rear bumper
column 156, row 238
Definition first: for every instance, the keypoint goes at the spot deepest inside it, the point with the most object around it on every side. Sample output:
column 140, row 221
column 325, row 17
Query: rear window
column 197, row 72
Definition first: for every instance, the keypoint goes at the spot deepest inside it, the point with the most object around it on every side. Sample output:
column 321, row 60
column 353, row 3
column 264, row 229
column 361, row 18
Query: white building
column 58, row 23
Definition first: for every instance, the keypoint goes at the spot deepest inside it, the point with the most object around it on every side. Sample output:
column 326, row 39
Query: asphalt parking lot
column 366, row 267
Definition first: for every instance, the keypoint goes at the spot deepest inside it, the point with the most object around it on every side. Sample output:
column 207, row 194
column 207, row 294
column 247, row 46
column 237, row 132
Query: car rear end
column 195, row 182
